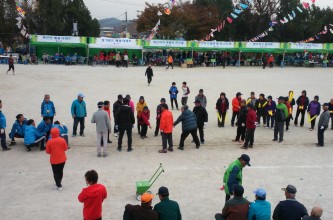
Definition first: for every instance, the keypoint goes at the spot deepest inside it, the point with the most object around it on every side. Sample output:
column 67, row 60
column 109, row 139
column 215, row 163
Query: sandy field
column 27, row 187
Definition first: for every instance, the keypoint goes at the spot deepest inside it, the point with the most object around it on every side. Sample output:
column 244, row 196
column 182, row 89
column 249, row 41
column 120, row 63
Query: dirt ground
column 193, row 176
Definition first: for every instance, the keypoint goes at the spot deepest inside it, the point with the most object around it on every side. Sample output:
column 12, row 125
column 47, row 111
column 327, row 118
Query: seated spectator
column 56, row 58
column 33, row 137
column 289, row 208
column 18, row 129
column 316, row 213
column 167, row 209
column 61, row 58
column 28, row 58
column 44, row 126
column 63, row 130
column 45, row 58
column 34, row 59
column 143, row 212
column 67, row 60
column 260, row 209
column 236, row 208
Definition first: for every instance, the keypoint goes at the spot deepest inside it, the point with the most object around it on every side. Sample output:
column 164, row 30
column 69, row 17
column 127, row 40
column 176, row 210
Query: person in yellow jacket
column 139, row 109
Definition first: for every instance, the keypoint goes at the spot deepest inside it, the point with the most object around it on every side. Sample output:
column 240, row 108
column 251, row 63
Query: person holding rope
column 222, row 107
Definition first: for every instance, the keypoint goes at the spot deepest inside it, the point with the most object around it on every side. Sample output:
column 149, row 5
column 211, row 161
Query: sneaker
column 119, row 148
column 280, row 141
column 6, row 149
column 129, row 149
column 60, row 188
column 163, row 151
column 155, row 135
column 73, row 135
column 115, row 134
column 274, row 139
column 28, row 149
column 243, row 147
column 202, row 142
column 319, row 145
column 142, row 137
column 109, row 142
column 42, row 148
column 241, row 142
column 180, row 148
column 99, row 155
column 12, row 143
column 266, row 127
column 272, row 128
column 82, row 135
column 105, row 154
column 251, row 146
column 170, row 149
column 311, row 129
column 235, row 140
column 287, row 130
column 145, row 136
column 197, row 147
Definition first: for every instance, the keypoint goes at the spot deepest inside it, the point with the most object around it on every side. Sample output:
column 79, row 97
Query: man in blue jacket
column 45, row 126
column 18, row 128
column 33, row 137
column 79, row 112
column 47, row 108
column 173, row 91
column 189, row 126
column 260, row 209
column 2, row 130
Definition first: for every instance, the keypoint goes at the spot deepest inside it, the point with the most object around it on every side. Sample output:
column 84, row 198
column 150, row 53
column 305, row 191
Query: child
column 173, row 91
column 144, row 122
column 270, row 111
column 92, row 197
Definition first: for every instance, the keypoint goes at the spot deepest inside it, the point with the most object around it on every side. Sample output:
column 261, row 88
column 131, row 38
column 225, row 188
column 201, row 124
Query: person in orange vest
column 170, row 62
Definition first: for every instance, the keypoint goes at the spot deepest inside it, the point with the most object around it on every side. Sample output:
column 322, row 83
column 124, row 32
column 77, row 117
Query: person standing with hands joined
column 149, row 73
column 47, row 108
column 79, row 112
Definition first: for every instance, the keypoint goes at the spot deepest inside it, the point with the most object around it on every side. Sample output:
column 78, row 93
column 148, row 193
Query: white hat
column 81, row 95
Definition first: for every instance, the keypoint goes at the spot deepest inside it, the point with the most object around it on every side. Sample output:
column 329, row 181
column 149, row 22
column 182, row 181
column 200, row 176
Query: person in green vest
column 233, row 175
column 167, row 209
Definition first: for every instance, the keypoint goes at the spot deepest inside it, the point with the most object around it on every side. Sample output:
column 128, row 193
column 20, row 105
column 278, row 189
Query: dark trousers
column 157, row 126
column 194, row 136
column 3, row 140
column 139, row 127
column 241, row 133
column 288, row 122
column 115, row 129
column 221, row 123
column 234, row 116
column 129, row 136
column 66, row 138
column 117, row 63
column 270, row 120
column 298, row 112
column 321, row 136
column 249, row 137
column 176, row 102
column 11, row 67
column 219, row 216
column 278, row 129
column 184, row 101
column 58, row 173
column 167, row 138
column 201, row 133
column 170, row 64
column 313, row 122
column 331, row 121
column 16, row 135
column 227, row 198
column 144, row 129
column 38, row 141
column 149, row 79
column 78, row 120
column 263, row 115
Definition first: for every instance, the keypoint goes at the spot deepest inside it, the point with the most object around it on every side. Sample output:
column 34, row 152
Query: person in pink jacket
column 144, row 122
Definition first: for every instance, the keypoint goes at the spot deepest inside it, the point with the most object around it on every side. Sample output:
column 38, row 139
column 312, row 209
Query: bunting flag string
column 239, row 8
column 154, row 30
column 19, row 23
column 316, row 37
column 289, row 17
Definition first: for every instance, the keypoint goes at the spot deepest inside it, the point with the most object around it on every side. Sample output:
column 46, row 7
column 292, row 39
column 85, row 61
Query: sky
column 116, row 8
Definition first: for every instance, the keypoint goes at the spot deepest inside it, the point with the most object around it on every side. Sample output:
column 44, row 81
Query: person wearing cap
column 235, row 208
column 280, row 116
column 234, row 175
column 290, row 112
column 186, row 92
column 250, row 127
column 241, row 123
column 3, row 125
column 323, row 124
column 270, row 112
column 236, row 106
column 92, row 196
column 173, row 91
column 260, row 209
column 107, row 109
column 47, row 108
column 144, row 122
column 261, row 109
column 125, row 122
column 141, row 212
column 302, row 104
column 116, row 106
column 289, row 208
column 103, row 126
column 149, row 73
column 252, row 99
column 222, row 107
column 139, row 109
column 158, row 116
column 79, row 113
column 166, row 127
column 167, row 209
column 202, row 119
column 330, row 109
column 316, row 213
column 189, row 126
column 202, row 98
column 314, row 111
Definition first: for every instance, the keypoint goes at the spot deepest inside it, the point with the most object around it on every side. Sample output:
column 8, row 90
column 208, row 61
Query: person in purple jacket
column 270, row 111
column 314, row 110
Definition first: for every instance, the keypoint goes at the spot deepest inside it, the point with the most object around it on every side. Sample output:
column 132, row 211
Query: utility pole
column 126, row 22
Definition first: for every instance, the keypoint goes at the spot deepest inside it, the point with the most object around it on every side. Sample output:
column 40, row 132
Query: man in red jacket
column 236, row 106
column 250, row 127
column 92, row 197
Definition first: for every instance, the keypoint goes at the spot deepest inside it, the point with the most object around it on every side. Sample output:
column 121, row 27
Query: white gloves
column 243, row 124
column 205, row 125
column 322, row 127
column 63, row 124
column 2, row 131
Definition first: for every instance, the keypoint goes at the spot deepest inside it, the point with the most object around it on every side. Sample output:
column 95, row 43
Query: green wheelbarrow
column 144, row 186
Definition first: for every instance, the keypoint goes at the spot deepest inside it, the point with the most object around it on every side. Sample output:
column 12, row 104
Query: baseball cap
column 197, row 101
column 246, row 158
column 163, row 191
column 290, row 189
column 81, row 95
column 100, row 104
column 146, row 197
column 163, row 100
column 260, row 192
column 281, row 98
column 238, row 94
column 326, row 104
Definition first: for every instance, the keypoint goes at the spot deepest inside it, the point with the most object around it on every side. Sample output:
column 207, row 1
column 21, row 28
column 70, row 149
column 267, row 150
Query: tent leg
column 282, row 61
column 239, row 58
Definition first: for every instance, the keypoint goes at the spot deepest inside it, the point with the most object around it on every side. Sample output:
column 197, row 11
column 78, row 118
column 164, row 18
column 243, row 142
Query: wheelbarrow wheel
column 138, row 197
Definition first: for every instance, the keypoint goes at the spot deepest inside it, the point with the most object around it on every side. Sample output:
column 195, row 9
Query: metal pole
column 282, row 61
column 239, row 58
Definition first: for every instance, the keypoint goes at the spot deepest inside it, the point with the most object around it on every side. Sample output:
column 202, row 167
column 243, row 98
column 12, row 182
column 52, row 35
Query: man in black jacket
column 149, row 73
column 116, row 106
column 302, row 104
column 202, row 119
column 241, row 126
column 124, row 122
